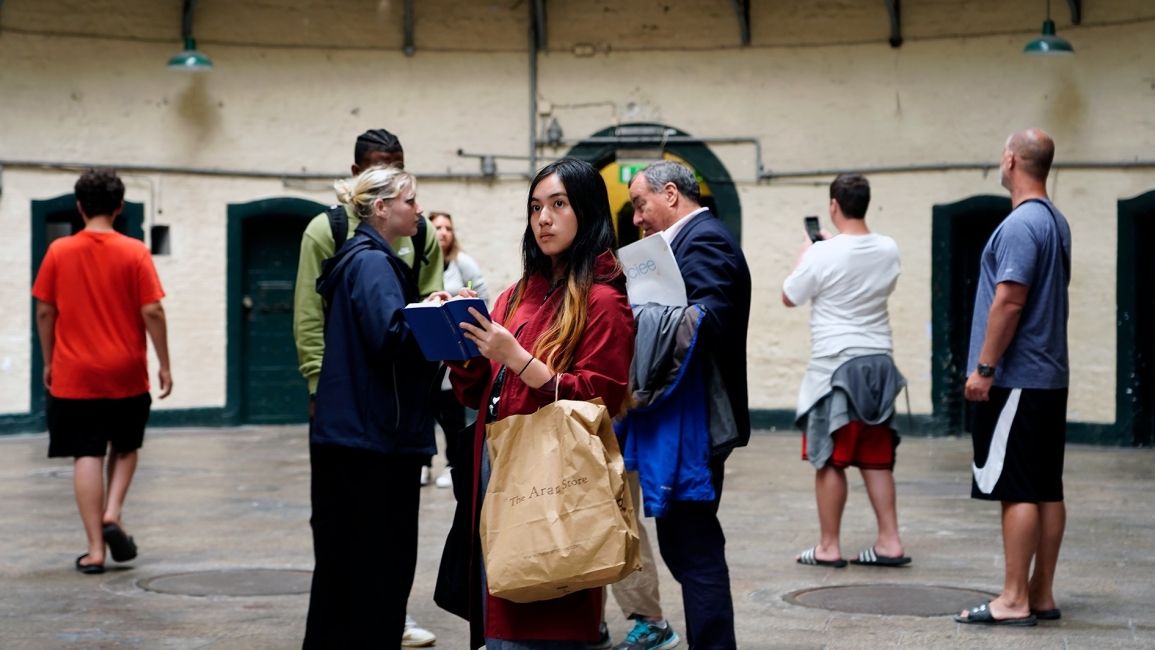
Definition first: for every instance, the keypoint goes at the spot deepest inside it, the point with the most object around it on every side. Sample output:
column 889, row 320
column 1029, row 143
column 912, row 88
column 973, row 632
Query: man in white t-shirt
column 846, row 401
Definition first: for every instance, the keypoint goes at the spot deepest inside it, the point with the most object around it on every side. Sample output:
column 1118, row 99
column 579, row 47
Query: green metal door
column 959, row 233
column 274, row 391
column 1135, row 281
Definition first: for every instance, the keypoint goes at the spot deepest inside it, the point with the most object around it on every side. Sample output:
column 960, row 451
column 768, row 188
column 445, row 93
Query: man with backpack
column 319, row 242
column 322, row 237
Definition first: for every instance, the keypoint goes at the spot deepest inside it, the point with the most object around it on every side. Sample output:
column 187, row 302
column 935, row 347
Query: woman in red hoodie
column 565, row 326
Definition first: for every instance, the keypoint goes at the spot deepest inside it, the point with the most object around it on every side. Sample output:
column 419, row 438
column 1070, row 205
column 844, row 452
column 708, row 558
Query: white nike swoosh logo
column 988, row 475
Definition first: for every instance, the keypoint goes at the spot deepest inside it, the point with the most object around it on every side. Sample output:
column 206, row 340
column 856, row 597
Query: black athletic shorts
column 85, row 427
column 1019, row 438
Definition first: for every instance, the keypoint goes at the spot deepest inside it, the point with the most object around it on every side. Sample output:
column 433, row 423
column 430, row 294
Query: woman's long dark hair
column 595, row 234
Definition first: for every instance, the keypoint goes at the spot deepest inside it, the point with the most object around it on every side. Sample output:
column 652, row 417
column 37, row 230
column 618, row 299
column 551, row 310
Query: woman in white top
column 461, row 271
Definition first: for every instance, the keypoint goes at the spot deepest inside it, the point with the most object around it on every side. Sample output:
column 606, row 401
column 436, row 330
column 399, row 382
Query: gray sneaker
column 649, row 636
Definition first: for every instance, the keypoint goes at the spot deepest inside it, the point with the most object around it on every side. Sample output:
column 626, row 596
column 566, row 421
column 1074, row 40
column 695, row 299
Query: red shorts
column 861, row 445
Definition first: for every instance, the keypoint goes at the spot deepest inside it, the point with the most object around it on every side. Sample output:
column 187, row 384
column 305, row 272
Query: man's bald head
column 1035, row 150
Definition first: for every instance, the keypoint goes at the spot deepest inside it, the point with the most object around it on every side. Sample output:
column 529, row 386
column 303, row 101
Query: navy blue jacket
column 718, row 278
column 376, row 389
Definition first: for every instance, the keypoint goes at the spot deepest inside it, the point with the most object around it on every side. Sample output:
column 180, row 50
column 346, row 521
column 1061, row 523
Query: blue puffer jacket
column 376, row 390
column 665, row 435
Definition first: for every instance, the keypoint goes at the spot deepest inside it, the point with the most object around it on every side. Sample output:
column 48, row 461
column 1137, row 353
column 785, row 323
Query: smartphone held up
column 812, row 229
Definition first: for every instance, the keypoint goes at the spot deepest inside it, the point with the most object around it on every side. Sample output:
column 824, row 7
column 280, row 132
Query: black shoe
column 122, row 546
column 88, row 569
column 605, row 642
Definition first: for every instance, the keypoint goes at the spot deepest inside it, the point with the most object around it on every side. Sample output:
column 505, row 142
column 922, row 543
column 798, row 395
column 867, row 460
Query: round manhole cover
column 232, row 582
column 904, row 600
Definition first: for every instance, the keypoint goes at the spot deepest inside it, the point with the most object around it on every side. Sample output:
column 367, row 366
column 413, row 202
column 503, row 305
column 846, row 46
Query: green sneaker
column 649, row 636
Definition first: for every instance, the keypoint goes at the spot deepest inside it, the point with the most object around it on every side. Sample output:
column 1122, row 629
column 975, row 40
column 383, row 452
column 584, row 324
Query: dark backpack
column 339, row 225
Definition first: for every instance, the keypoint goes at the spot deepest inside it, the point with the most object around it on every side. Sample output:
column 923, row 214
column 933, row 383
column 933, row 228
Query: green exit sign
column 626, row 172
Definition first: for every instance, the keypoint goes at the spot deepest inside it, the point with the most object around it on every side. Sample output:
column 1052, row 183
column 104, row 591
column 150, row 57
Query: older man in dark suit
column 667, row 201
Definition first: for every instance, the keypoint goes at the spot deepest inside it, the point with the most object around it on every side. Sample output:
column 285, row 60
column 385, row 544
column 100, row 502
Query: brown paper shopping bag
column 557, row 516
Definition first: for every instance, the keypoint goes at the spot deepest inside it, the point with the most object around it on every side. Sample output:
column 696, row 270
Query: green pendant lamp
column 189, row 59
column 1048, row 44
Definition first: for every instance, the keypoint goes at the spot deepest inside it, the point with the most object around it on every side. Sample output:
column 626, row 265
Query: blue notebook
column 435, row 327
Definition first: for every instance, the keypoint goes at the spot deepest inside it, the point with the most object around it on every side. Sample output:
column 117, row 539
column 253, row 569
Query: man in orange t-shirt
column 97, row 295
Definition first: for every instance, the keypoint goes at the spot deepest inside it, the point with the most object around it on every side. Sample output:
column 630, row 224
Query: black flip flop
column 88, row 569
column 809, row 557
column 981, row 615
column 1048, row 614
column 122, row 546
column 870, row 557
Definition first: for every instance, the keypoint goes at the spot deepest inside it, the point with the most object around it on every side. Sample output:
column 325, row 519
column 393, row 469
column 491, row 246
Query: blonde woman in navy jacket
column 373, row 425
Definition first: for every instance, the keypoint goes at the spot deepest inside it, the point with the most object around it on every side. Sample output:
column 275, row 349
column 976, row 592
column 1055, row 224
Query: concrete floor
column 213, row 499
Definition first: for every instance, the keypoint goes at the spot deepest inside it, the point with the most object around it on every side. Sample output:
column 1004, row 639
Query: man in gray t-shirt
column 1018, row 380
column 1029, row 248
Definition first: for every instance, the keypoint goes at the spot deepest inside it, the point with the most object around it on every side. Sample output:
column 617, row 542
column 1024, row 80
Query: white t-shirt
column 848, row 278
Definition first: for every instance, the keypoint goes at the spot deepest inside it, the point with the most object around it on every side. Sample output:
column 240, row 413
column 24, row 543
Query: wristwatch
column 985, row 371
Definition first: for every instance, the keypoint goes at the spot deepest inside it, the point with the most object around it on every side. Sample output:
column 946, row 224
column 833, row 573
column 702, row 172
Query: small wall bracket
column 894, row 9
column 742, row 10
column 1076, row 11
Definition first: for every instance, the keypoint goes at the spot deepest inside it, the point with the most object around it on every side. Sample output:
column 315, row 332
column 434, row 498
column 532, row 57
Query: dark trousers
column 693, row 546
column 364, row 521
column 451, row 416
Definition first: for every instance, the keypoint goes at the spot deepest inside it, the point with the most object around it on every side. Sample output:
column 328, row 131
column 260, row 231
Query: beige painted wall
column 819, row 88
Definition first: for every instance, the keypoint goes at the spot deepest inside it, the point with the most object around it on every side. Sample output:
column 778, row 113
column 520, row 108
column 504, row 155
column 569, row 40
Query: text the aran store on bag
column 550, row 490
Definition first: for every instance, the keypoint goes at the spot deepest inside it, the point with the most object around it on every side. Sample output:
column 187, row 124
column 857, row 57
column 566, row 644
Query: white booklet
column 652, row 273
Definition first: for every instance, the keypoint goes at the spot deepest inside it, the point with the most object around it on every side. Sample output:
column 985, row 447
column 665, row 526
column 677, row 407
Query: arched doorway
column 1135, row 339
column 264, row 243
column 622, row 151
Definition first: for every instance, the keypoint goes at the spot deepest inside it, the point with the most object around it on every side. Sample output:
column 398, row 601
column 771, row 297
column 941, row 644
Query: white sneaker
column 424, row 476
column 416, row 637
column 445, row 480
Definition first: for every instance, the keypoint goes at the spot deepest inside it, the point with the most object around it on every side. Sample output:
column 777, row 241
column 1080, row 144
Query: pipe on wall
column 953, row 167
column 666, row 139
column 536, row 35
column 60, row 165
